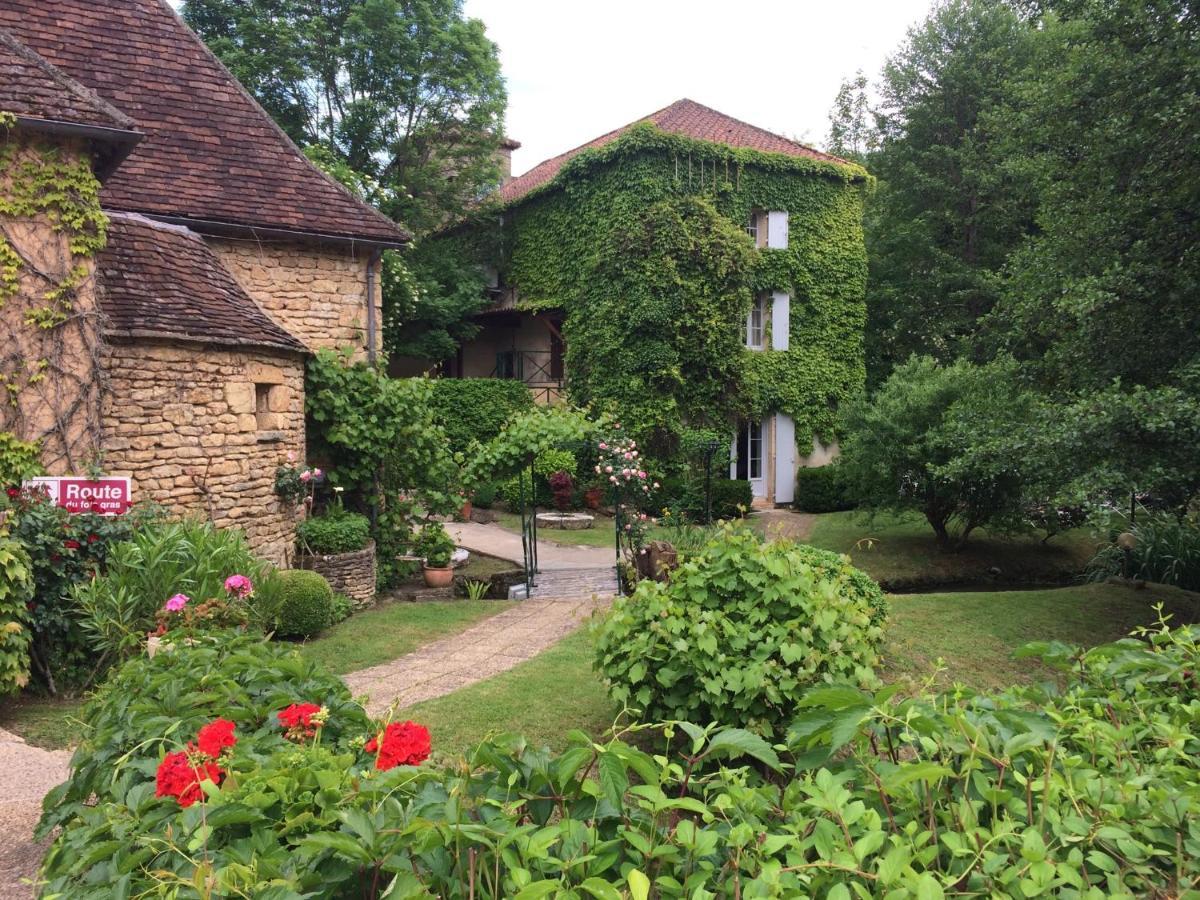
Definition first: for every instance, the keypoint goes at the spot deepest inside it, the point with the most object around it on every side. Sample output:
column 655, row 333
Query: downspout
column 372, row 327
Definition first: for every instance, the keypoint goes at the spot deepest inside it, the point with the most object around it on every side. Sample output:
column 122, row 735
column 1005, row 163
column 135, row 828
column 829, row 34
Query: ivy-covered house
column 694, row 272
column 168, row 259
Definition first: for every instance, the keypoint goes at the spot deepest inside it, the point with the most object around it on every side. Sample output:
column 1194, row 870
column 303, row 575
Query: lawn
column 900, row 553
column 599, row 535
column 974, row 633
column 42, row 721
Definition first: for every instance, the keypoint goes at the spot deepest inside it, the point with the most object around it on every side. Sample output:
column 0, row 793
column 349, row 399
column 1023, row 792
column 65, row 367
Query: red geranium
column 216, row 736
column 92, row 538
column 178, row 777
column 297, row 720
column 71, row 544
column 14, row 492
column 403, row 744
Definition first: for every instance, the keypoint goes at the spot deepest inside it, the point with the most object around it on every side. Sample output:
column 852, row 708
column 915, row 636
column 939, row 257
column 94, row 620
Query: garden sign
column 106, row 496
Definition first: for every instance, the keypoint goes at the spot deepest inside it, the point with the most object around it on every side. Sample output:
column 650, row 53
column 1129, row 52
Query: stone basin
column 566, row 521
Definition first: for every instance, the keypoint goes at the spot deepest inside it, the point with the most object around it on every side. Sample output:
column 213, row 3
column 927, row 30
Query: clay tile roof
column 211, row 154
column 683, row 117
column 162, row 281
column 32, row 88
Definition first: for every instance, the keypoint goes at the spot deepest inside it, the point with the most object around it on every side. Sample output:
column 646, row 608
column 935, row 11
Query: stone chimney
column 504, row 158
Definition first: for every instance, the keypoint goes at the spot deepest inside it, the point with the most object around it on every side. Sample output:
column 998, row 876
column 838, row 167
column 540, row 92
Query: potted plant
column 435, row 547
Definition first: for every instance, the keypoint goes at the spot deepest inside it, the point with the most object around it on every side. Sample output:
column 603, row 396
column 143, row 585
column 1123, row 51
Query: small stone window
column 262, row 406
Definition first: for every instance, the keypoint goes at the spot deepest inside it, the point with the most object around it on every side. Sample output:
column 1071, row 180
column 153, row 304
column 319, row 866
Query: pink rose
column 629, row 455
column 291, row 456
column 597, row 470
column 641, row 474
column 603, row 446
column 608, row 469
column 176, row 603
column 316, row 473
column 305, row 475
column 657, row 485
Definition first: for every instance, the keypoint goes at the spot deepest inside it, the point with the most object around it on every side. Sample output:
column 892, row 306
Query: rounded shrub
column 738, row 634
column 822, row 489
column 305, row 603
column 836, row 566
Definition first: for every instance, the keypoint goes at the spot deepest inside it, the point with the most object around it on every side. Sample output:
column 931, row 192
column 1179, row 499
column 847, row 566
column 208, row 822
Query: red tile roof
column 162, row 281
column 31, row 87
column 683, row 117
column 210, row 152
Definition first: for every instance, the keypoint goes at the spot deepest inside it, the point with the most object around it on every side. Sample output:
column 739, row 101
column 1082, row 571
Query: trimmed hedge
column 822, row 489
column 306, row 603
column 685, row 496
column 476, row 408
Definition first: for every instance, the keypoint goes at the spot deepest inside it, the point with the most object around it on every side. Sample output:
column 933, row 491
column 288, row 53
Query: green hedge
column 821, row 490
column 476, row 408
column 306, row 604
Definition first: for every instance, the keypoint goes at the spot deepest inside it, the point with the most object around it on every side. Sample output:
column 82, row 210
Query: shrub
column 1038, row 791
column 192, row 558
column 737, row 634
column 821, row 490
column 562, row 485
column 340, row 609
column 485, row 494
column 852, row 581
column 1166, row 550
column 16, row 591
column 337, row 531
column 19, row 460
column 434, row 545
column 684, row 496
column 730, row 497
column 305, row 603
column 476, row 409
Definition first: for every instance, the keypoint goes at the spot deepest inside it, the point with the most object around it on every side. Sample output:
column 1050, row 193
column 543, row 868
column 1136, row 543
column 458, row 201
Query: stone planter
column 352, row 574
column 566, row 521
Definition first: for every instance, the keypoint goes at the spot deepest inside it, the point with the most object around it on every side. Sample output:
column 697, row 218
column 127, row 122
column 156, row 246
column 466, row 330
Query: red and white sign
column 105, row 496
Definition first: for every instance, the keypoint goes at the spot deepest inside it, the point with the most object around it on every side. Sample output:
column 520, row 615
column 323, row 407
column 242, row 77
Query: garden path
column 500, row 542
column 489, row 648
column 26, row 774
column 784, row 523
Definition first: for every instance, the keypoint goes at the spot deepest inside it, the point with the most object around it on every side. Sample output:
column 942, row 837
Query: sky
column 578, row 69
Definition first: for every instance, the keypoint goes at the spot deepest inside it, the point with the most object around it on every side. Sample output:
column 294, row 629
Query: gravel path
column 26, row 774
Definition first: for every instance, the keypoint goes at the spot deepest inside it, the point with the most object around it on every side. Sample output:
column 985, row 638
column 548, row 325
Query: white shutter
column 777, row 230
column 780, row 320
column 785, row 459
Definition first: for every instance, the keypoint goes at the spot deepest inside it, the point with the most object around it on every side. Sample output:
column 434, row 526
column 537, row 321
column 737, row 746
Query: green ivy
column 641, row 243
column 16, row 590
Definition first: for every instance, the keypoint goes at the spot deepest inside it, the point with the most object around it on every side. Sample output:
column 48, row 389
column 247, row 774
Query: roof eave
column 112, row 144
column 216, row 228
column 153, row 334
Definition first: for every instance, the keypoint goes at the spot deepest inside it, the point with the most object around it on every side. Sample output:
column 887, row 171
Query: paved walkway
column 493, row 646
column 26, row 774
column 496, row 541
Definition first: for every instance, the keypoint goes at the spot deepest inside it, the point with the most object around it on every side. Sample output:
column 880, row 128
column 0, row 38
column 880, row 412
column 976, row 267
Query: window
column 752, row 227
column 506, row 364
column 755, row 327
column 262, row 407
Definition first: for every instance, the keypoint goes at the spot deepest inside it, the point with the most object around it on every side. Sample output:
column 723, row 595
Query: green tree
column 852, row 133
column 950, row 206
column 406, row 91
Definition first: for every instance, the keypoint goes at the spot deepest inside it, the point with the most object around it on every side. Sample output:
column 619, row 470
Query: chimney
column 504, row 159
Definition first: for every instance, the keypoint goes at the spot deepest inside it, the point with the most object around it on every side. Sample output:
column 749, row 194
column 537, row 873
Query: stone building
column 227, row 259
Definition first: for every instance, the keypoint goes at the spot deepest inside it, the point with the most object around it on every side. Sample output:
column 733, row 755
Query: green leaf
column 614, row 780
column 739, row 741
column 639, row 884
column 600, row 889
column 538, row 889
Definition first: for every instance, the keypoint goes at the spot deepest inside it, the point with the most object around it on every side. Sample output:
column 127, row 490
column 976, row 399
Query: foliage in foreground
column 1088, row 792
column 16, row 590
column 739, row 632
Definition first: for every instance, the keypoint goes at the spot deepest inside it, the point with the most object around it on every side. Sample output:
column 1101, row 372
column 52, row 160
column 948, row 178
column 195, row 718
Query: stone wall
column 53, row 373
column 201, row 430
column 317, row 292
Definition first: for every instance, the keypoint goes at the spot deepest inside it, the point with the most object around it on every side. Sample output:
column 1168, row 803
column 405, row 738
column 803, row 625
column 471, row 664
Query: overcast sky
column 578, row 69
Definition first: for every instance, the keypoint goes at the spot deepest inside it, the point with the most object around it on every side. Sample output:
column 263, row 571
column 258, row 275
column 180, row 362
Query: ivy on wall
column 642, row 243
column 51, row 226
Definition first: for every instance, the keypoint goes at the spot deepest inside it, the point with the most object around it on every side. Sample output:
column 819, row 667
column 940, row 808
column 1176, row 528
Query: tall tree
column 852, row 133
column 949, row 206
column 408, row 92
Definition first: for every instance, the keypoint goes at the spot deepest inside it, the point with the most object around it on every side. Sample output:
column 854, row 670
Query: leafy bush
column 305, row 603
column 737, row 634
column 19, row 460
column 337, row 531
column 731, row 497
column 485, row 494
column 562, row 485
column 822, row 489
column 1166, row 550
column 192, row 558
column 1082, row 792
column 16, row 591
column 684, row 496
column 340, row 609
column 476, row 409
column 434, row 545
column 65, row 550
column 148, row 706
column 852, row 581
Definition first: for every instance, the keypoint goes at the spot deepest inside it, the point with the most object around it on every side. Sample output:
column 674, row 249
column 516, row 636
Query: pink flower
column 625, row 472
column 641, row 474
column 176, row 603
column 608, row 469
column 239, row 585
column 291, row 456
column 316, row 473
column 612, row 478
column 633, row 443
column 657, row 485
column 597, row 470
column 305, row 475
column 603, row 446
column 628, row 455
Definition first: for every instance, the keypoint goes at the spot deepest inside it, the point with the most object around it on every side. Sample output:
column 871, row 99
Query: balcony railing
column 541, row 370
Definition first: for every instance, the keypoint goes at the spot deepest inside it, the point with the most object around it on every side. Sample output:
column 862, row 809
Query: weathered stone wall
column 52, row 372
column 201, row 430
column 317, row 292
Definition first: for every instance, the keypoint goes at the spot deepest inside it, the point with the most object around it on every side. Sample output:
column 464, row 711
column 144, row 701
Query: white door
column 785, row 458
column 748, row 463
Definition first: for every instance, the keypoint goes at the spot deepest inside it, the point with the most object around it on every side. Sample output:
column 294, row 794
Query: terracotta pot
column 464, row 514
column 592, row 498
column 436, row 578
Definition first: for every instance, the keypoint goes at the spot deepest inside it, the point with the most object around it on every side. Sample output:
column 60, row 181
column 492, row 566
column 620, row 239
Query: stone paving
column 496, row 541
column 26, row 774
column 493, row 646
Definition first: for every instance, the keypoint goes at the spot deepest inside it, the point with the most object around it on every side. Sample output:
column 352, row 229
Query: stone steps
column 575, row 584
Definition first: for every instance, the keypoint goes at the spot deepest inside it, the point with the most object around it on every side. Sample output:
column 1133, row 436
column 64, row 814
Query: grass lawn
column 41, row 721
column 900, row 552
column 542, row 699
column 599, row 535
column 394, row 629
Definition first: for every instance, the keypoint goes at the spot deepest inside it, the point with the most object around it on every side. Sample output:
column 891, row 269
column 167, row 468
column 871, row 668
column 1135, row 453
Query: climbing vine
column 642, row 243
column 51, row 226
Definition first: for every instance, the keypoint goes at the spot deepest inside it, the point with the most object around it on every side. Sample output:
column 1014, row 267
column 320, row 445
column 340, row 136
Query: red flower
column 14, row 492
column 297, row 719
column 71, row 544
column 216, row 736
column 177, row 777
column 403, row 744
column 92, row 538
